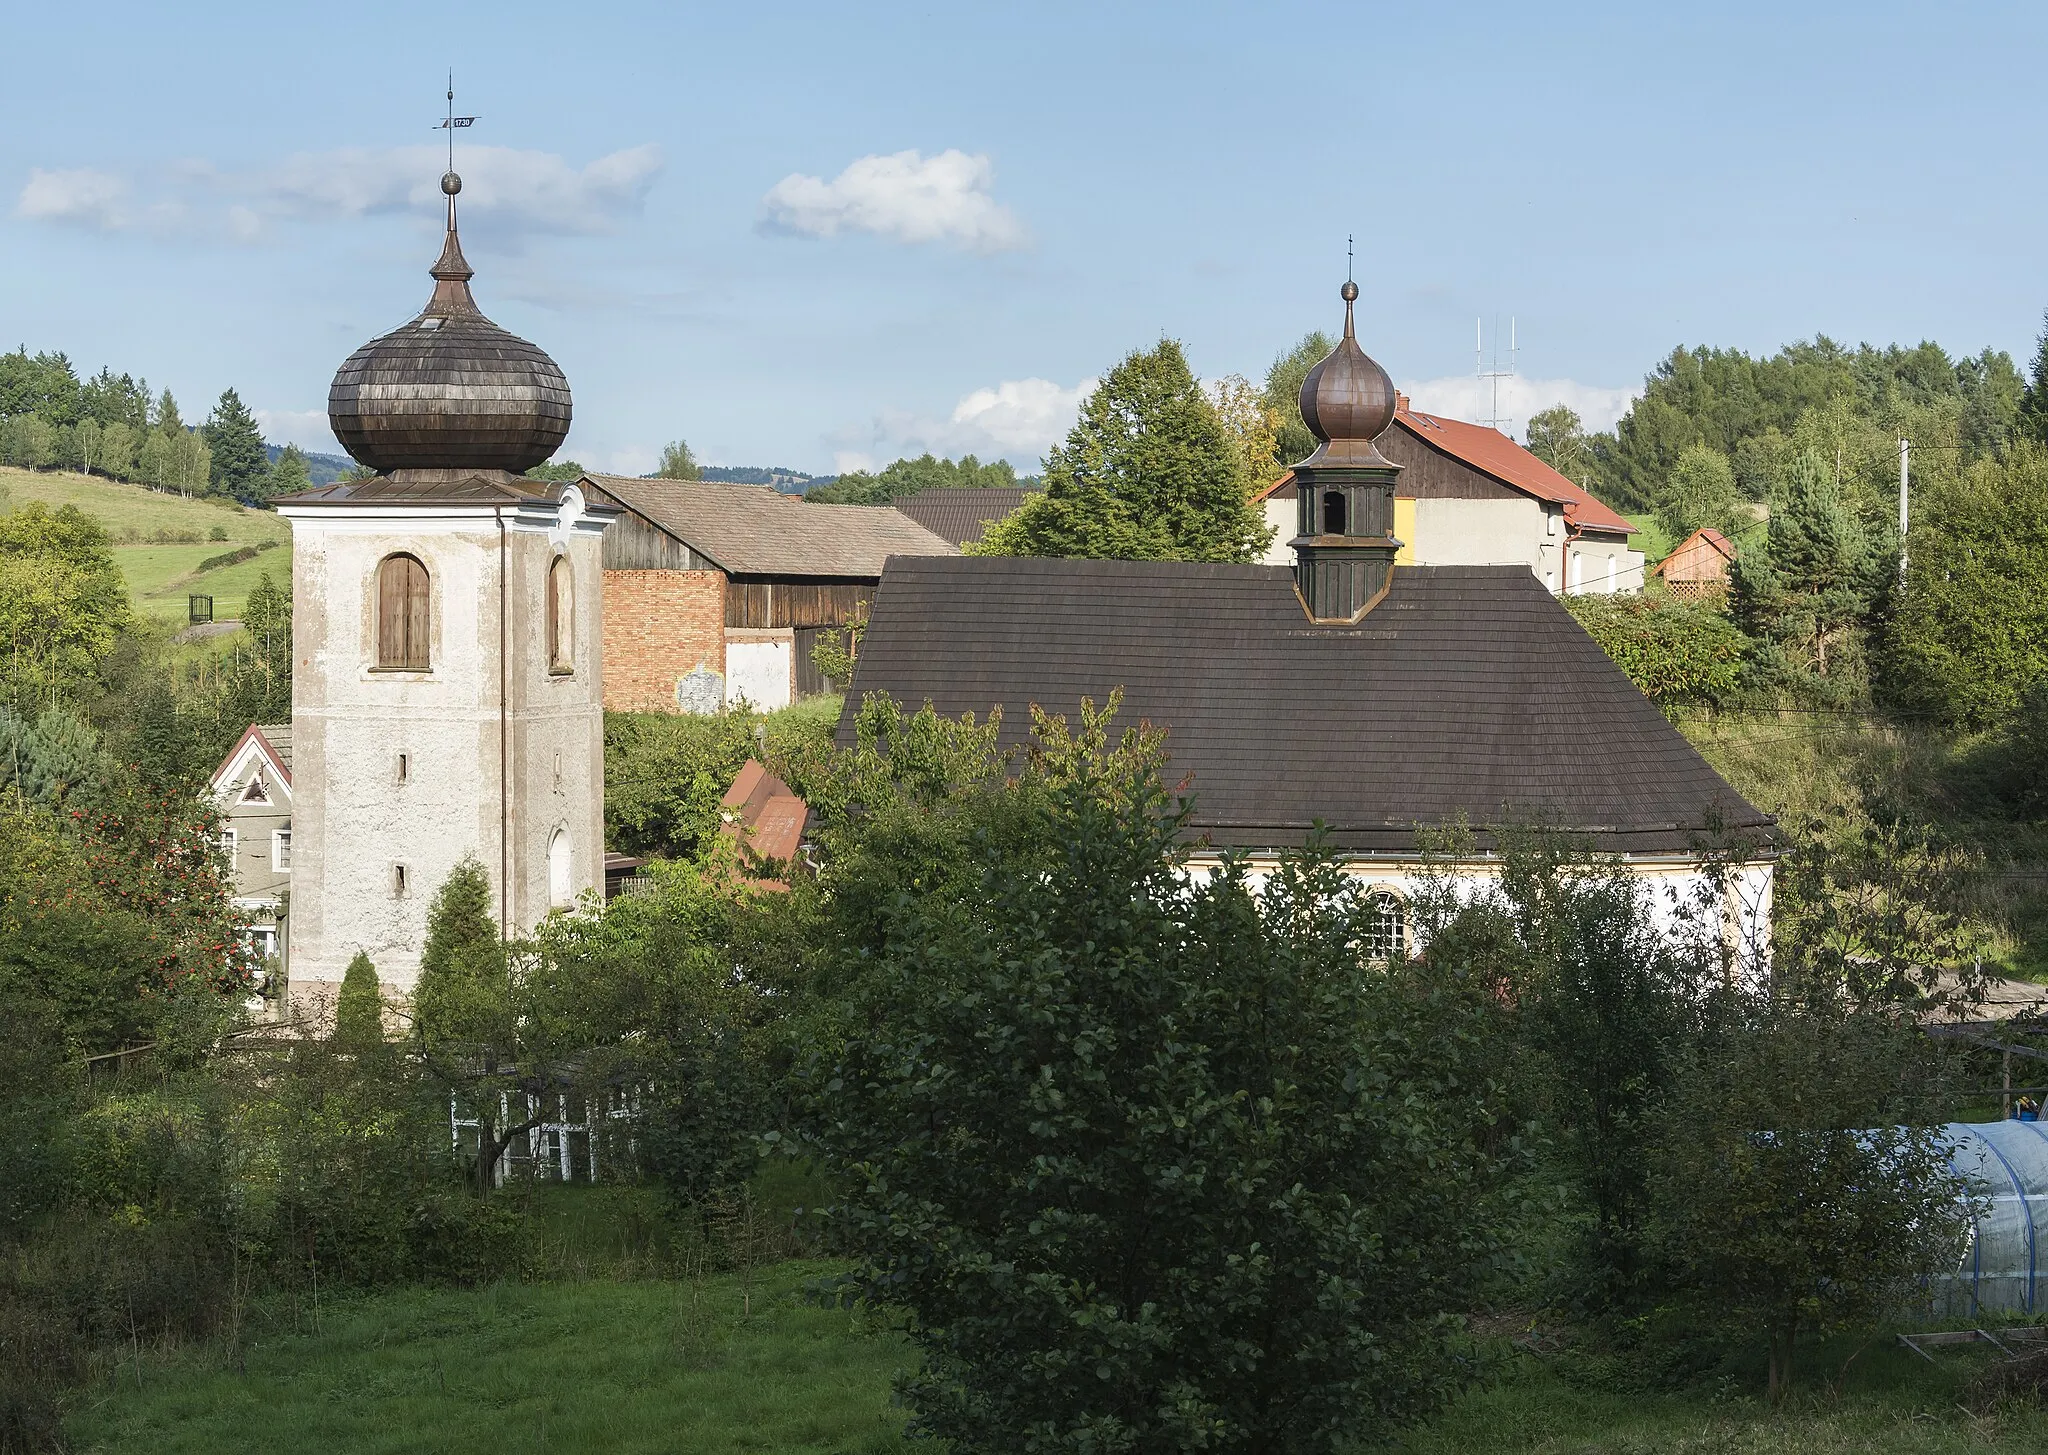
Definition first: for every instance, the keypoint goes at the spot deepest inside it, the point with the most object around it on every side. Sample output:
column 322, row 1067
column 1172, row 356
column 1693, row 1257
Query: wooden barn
column 714, row 592
column 1697, row 567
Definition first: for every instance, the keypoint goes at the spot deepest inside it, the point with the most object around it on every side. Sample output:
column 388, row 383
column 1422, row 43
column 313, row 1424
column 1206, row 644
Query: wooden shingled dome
column 450, row 389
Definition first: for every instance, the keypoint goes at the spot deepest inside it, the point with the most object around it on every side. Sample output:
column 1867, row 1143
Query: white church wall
column 1682, row 894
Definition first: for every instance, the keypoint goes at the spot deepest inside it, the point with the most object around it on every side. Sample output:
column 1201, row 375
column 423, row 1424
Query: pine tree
column 1148, row 473
column 287, row 475
column 1813, row 582
column 359, row 1008
column 2034, row 402
column 240, row 463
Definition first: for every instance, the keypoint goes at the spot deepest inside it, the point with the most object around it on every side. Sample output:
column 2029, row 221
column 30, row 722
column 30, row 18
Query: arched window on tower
column 404, row 620
column 561, row 617
column 1333, row 512
column 1383, row 928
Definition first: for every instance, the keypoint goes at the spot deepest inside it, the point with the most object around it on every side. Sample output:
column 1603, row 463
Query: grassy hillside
column 162, row 539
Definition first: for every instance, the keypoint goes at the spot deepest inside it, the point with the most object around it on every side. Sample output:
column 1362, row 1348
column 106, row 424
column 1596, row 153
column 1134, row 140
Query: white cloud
column 80, row 196
column 516, row 191
column 306, row 428
column 1017, row 420
column 905, row 196
column 1469, row 398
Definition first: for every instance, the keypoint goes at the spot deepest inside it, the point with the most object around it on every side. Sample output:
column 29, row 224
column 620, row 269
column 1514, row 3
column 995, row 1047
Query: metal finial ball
column 1349, row 291
column 450, row 183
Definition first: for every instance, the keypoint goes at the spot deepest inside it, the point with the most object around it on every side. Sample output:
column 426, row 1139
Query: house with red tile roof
column 1470, row 496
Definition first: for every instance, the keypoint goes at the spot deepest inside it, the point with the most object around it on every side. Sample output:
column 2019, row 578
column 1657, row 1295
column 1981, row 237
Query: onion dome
column 1347, row 400
column 450, row 390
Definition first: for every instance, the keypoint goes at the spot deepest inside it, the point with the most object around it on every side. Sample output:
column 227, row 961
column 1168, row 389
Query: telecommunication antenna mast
column 1492, row 377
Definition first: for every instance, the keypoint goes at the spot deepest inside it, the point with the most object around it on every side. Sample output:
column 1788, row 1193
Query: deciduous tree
column 1148, row 473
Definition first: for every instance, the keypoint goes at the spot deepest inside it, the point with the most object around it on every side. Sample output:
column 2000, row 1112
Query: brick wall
column 658, row 625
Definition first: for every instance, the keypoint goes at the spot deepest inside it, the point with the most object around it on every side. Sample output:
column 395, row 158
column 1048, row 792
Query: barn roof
column 755, row 530
column 960, row 516
column 1469, row 692
column 1492, row 453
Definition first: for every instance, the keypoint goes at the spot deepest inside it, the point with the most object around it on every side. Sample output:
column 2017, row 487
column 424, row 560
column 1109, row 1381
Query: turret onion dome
column 1347, row 400
column 450, row 390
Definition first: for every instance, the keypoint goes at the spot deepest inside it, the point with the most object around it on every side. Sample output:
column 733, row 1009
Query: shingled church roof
column 1467, row 693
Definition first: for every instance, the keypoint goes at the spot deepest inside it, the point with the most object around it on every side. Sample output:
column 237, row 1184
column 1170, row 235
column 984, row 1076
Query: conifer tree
column 1148, row 473
column 239, row 463
column 2034, row 402
column 1813, row 581
column 359, row 1008
column 288, row 474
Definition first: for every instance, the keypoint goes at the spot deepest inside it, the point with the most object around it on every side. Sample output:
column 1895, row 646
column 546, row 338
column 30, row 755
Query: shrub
column 1155, row 1165
column 1675, row 651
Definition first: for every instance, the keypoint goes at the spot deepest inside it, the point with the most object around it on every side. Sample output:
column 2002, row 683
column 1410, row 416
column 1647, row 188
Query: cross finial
column 1347, row 257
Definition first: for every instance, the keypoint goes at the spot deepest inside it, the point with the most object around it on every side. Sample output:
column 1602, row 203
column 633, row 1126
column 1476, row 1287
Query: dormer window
column 428, row 325
column 403, row 616
column 1333, row 512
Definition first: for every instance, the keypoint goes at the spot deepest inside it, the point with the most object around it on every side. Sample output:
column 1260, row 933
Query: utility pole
column 1905, row 453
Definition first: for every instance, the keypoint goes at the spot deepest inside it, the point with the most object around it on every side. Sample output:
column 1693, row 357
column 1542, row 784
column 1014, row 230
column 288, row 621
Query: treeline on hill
column 111, row 425
column 1147, row 1157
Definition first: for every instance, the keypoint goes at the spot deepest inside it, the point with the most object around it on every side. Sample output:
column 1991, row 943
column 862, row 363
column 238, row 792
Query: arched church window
column 561, row 882
column 1333, row 512
column 403, row 617
column 1384, row 927
column 561, row 617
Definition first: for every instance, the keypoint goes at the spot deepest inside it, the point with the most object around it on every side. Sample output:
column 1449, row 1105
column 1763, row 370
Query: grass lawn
column 603, row 1366
column 1889, row 1400
column 130, row 511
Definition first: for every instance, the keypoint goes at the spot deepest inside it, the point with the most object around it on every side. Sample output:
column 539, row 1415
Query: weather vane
column 452, row 121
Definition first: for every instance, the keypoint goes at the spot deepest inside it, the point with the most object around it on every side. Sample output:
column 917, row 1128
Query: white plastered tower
column 447, row 689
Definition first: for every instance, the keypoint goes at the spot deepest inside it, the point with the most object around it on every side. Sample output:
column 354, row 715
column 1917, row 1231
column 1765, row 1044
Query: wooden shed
column 1697, row 567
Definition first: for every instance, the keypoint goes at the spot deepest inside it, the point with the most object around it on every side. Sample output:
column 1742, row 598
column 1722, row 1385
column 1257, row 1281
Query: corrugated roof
column 1492, row 453
column 960, row 516
column 754, row 530
column 1469, row 692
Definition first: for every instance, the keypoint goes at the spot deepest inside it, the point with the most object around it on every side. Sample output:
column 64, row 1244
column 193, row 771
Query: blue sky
column 818, row 236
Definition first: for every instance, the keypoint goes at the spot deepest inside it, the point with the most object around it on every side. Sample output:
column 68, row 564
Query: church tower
column 447, row 682
column 1344, row 551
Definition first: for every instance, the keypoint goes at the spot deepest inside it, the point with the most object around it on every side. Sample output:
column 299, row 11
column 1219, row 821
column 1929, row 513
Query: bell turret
column 1344, row 550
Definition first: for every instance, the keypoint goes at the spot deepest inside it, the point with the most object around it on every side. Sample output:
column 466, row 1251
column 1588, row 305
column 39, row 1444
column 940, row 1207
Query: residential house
column 716, row 592
column 253, row 790
column 961, row 516
column 1470, row 496
column 1697, row 567
column 1377, row 700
